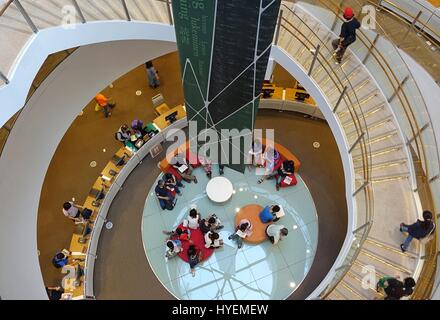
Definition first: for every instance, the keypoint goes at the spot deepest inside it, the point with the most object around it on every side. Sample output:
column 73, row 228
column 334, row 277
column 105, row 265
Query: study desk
column 112, row 178
column 160, row 121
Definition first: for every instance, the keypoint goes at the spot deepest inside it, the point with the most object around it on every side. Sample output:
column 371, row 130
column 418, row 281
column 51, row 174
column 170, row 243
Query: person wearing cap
column 347, row 36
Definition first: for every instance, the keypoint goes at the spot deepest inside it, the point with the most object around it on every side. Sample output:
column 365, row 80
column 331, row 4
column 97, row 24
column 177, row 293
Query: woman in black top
column 347, row 36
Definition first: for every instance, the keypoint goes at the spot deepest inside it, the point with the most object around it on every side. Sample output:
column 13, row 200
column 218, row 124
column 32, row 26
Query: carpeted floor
column 122, row 270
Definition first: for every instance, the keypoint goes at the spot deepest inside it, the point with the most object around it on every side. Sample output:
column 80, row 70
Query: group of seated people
column 170, row 184
column 135, row 136
column 212, row 239
column 274, row 168
column 208, row 226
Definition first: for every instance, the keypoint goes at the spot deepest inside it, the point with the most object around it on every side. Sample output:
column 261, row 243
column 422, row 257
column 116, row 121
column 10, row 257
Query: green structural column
column 224, row 48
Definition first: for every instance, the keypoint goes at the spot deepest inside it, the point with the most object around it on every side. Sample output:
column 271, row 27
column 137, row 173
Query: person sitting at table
column 193, row 219
column 60, row 259
column 54, row 293
column 183, row 167
column 124, row 135
column 287, row 169
column 276, row 232
column 271, row 213
column 73, row 211
column 244, row 229
column 138, row 128
column 195, row 256
column 271, row 157
column 213, row 240
column 172, row 182
column 165, row 196
column 255, row 154
column 174, row 247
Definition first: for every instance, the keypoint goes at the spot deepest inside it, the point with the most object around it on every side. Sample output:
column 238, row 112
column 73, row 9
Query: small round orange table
column 251, row 212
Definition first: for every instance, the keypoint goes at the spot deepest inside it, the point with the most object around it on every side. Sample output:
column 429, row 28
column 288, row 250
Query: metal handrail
column 388, row 71
column 365, row 149
column 398, row 92
column 409, row 14
column 356, row 118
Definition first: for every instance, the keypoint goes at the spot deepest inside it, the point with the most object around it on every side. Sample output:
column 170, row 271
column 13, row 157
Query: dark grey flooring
column 122, row 270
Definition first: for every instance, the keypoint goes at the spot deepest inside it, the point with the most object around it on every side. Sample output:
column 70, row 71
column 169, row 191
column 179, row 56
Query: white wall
column 33, row 142
column 47, row 41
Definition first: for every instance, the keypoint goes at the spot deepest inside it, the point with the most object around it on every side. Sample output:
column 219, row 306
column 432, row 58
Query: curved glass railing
column 386, row 65
column 315, row 56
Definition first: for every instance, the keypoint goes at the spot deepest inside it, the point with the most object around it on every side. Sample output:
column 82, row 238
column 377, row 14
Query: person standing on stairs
column 419, row 229
column 347, row 36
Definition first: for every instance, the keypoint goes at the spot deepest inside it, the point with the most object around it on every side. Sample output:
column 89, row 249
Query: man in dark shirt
column 166, row 199
column 347, row 36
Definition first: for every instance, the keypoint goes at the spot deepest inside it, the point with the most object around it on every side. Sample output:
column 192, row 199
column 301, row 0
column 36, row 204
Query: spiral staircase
column 383, row 164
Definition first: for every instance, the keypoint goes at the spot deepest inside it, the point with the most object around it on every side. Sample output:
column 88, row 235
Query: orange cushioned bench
column 284, row 153
column 164, row 166
column 251, row 212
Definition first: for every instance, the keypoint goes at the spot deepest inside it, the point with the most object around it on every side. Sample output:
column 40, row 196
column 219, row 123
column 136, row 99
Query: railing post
column 342, row 267
column 340, row 99
column 315, row 56
column 26, row 16
column 371, row 48
column 362, row 187
column 398, row 89
column 127, row 14
column 336, row 16
column 4, row 78
column 362, row 226
column 277, row 34
column 416, row 19
column 170, row 12
column 78, row 10
column 426, row 126
column 358, row 140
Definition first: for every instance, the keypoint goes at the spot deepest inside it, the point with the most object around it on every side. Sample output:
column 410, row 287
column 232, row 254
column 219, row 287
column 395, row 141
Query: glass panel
column 95, row 10
column 14, row 33
column 149, row 10
column 45, row 13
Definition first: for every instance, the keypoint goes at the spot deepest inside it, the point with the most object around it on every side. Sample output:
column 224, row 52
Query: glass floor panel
column 254, row 272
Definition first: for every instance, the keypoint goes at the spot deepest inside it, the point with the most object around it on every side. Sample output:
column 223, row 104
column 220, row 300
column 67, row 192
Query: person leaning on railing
column 347, row 36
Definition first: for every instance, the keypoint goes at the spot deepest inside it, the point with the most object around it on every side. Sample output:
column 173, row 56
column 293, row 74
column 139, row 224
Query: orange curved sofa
column 251, row 212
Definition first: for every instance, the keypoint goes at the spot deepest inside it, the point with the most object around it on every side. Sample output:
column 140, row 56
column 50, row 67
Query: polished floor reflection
column 255, row 272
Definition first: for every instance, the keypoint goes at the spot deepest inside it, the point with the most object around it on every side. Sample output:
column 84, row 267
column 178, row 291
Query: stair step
column 382, row 137
column 385, row 165
column 367, row 114
column 374, row 126
column 389, row 178
column 390, row 248
column 379, row 152
column 383, row 263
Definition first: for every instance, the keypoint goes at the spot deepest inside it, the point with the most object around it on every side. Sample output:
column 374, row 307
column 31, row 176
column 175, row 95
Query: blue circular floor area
column 254, row 272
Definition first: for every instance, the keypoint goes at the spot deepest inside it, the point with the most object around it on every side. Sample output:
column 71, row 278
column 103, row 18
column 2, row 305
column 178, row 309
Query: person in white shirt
column 193, row 219
column 276, row 232
column 174, row 247
column 213, row 240
column 255, row 154
column 244, row 230
column 72, row 211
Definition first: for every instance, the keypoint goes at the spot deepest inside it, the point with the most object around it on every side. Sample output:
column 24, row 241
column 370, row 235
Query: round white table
column 219, row 189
